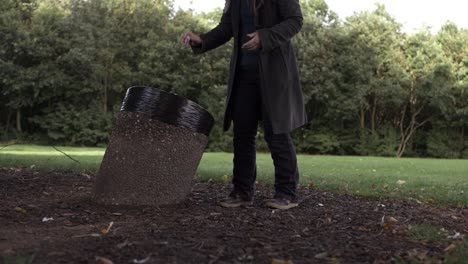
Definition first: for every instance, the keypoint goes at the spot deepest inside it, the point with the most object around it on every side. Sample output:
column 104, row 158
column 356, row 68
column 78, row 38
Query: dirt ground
column 326, row 228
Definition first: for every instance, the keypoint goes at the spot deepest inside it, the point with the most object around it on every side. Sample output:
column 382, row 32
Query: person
column 263, row 86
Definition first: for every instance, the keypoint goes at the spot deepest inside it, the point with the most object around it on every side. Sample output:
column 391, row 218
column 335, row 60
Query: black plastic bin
column 154, row 150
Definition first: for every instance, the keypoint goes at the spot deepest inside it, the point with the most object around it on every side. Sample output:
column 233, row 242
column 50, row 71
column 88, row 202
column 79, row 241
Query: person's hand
column 253, row 43
column 190, row 39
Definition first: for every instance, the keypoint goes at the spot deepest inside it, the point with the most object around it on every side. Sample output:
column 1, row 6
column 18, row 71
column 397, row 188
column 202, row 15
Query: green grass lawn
column 425, row 180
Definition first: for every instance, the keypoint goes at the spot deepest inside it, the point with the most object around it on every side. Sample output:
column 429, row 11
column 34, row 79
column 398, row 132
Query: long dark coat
column 276, row 21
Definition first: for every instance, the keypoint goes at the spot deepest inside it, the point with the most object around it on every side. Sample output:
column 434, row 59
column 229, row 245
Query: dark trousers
column 247, row 111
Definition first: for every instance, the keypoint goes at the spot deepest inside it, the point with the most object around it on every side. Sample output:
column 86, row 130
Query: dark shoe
column 235, row 200
column 281, row 203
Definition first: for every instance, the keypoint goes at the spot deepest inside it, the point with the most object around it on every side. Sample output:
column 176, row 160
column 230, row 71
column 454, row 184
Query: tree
column 427, row 77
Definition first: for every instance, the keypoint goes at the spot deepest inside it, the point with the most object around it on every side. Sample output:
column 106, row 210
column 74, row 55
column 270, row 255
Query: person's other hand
column 253, row 43
column 190, row 39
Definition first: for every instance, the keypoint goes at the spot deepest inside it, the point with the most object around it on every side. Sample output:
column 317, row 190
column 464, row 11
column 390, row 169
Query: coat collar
column 259, row 5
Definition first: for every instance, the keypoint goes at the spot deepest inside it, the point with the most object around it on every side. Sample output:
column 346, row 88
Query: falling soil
column 148, row 162
column 50, row 217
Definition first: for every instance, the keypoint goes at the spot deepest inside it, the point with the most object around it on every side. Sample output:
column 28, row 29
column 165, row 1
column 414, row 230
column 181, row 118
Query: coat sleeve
column 291, row 23
column 219, row 35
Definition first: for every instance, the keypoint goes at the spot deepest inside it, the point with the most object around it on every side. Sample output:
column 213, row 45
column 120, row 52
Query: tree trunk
column 407, row 133
column 7, row 127
column 402, row 133
column 18, row 121
column 104, row 103
column 373, row 114
column 462, row 143
column 362, row 118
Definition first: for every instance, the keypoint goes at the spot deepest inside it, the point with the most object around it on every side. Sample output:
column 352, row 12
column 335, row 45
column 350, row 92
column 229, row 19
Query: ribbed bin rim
column 168, row 108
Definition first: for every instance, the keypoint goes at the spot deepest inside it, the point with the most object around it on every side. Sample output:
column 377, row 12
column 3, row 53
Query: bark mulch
column 49, row 217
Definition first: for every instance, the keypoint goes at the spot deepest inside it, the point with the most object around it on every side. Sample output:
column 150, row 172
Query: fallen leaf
column 225, row 178
column 457, row 236
column 280, row 261
column 103, row 260
column 416, row 253
column 322, row 255
column 389, row 223
column 105, row 231
column 389, row 226
column 400, row 182
column 450, row 248
column 20, row 210
column 142, row 261
column 47, row 219
column 123, row 244
column 363, row 228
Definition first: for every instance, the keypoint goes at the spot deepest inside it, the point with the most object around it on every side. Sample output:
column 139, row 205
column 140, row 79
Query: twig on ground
column 66, row 154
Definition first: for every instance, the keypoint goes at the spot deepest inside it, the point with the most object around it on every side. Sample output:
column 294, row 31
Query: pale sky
column 413, row 14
